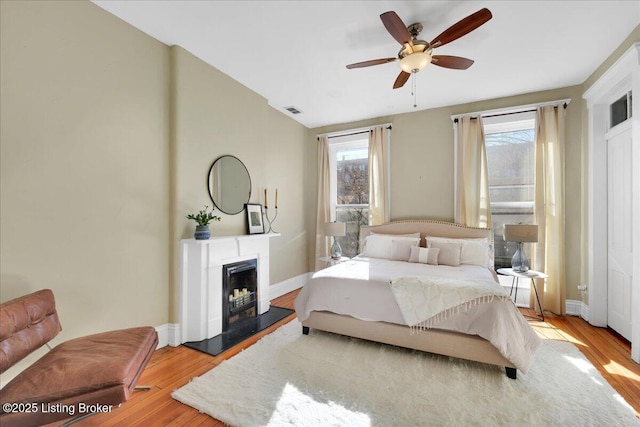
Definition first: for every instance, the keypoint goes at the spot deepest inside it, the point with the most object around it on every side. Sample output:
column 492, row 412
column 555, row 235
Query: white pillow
column 449, row 252
column 475, row 251
column 424, row 255
column 401, row 249
column 381, row 246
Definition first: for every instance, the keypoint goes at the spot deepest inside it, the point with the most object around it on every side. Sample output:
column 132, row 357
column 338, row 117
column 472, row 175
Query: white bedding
column 360, row 288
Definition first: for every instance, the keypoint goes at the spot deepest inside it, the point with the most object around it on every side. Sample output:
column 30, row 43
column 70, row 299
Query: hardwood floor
column 172, row 367
column 605, row 349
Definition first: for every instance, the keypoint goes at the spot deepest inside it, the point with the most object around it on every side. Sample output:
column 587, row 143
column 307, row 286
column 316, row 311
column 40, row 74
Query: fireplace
column 239, row 293
column 201, row 275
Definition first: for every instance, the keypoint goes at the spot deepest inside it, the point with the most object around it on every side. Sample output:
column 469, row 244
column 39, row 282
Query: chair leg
column 77, row 419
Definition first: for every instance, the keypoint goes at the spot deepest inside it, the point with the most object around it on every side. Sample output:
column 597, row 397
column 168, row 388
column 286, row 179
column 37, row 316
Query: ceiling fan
column 416, row 54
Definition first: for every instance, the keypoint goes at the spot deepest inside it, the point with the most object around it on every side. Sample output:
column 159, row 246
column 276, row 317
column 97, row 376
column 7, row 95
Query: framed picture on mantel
column 255, row 224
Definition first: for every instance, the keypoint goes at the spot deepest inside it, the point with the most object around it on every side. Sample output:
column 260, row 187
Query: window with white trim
column 349, row 165
column 510, row 146
column 620, row 111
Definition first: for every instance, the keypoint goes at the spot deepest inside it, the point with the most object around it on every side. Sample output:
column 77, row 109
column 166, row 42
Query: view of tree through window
column 511, row 167
column 352, row 193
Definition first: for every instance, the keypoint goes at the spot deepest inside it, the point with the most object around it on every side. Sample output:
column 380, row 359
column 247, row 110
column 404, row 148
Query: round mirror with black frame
column 229, row 184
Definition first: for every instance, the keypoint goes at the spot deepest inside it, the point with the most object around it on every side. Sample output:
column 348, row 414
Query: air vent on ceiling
column 293, row 110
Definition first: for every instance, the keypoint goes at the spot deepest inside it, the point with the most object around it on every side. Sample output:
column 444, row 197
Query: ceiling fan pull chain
column 413, row 89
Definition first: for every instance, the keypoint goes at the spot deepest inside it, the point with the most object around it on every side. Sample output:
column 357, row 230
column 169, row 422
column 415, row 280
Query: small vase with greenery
column 203, row 218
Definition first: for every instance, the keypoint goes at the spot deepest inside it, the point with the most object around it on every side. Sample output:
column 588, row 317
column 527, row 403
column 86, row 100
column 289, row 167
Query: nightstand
column 532, row 275
column 331, row 261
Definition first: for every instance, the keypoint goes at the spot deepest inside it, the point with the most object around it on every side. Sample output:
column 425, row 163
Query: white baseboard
column 577, row 308
column 288, row 285
column 169, row 333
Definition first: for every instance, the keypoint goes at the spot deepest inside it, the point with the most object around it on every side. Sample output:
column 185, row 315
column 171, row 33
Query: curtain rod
column 353, row 132
column 512, row 110
column 505, row 114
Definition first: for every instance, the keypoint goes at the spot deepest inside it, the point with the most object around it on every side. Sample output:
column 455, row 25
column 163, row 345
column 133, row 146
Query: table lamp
column 335, row 229
column 520, row 233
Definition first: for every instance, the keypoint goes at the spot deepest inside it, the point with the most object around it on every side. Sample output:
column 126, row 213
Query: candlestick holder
column 270, row 221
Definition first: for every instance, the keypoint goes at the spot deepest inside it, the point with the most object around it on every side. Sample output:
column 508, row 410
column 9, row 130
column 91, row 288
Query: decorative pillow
column 475, row 251
column 401, row 249
column 449, row 253
column 424, row 255
column 381, row 246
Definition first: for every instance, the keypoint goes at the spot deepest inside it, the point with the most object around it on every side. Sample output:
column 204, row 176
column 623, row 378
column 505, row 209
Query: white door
column 620, row 218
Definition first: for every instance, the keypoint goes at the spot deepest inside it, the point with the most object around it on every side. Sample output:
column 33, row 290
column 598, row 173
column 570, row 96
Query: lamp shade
column 334, row 229
column 520, row 233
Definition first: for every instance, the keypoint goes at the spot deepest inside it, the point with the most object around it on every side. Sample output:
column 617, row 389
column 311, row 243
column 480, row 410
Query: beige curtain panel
column 472, row 178
column 379, row 175
column 324, row 203
column 549, row 205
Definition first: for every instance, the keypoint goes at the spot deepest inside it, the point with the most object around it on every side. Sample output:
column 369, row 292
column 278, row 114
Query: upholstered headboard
column 429, row 228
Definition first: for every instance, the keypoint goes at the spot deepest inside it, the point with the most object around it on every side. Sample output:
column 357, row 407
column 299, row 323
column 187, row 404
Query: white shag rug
column 321, row 379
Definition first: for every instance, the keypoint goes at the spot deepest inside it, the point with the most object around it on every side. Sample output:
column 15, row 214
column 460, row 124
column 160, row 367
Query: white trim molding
column 168, row 334
column 623, row 75
column 577, row 308
column 289, row 285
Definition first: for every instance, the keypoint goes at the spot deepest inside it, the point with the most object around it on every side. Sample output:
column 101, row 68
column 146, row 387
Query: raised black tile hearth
column 242, row 330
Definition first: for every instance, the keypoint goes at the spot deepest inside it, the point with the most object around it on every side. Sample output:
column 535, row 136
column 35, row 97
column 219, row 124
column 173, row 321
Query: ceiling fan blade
column 372, row 62
column 455, row 62
column 396, row 27
column 463, row 27
column 401, row 80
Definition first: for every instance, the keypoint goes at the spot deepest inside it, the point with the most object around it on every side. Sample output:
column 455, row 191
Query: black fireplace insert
column 239, row 292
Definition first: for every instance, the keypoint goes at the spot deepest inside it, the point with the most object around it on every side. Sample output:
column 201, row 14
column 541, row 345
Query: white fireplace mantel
column 201, row 263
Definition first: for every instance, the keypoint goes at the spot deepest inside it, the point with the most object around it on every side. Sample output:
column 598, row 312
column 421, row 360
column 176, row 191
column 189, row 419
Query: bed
column 355, row 298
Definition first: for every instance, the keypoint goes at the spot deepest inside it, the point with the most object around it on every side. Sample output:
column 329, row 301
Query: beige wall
column 214, row 115
column 107, row 136
column 84, row 152
column 85, row 164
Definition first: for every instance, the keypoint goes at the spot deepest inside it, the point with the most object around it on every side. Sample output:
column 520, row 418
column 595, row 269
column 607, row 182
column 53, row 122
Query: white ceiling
column 294, row 53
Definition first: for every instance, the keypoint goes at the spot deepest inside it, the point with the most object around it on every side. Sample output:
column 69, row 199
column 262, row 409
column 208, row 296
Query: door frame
column 622, row 76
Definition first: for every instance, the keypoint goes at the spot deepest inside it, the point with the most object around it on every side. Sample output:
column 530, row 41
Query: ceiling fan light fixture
column 415, row 54
column 415, row 62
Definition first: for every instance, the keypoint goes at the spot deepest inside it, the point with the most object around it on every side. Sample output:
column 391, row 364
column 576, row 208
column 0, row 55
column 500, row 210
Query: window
column 349, row 163
column 620, row 110
column 510, row 145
